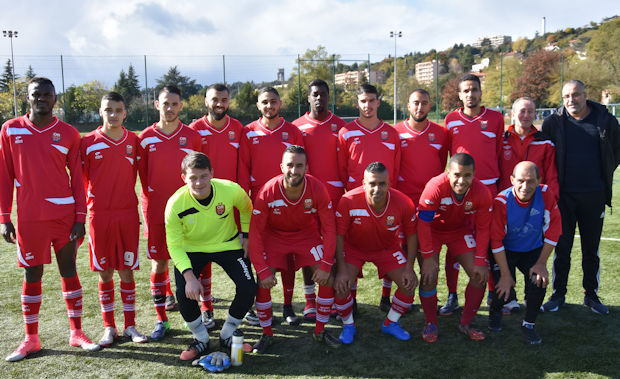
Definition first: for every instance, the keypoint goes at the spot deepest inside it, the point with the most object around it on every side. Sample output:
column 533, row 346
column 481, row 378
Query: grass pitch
column 576, row 342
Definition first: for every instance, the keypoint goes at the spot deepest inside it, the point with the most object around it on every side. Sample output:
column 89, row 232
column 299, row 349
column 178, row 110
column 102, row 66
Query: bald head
column 525, row 178
column 528, row 167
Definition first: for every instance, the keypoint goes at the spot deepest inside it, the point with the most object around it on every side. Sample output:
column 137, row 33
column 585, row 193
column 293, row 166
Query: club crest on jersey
column 308, row 203
column 384, row 135
column 284, row 136
column 56, row 137
column 129, row 149
column 389, row 220
column 468, row 205
column 231, row 135
column 431, row 137
column 182, row 141
column 483, row 124
column 334, row 128
column 220, row 209
column 507, row 154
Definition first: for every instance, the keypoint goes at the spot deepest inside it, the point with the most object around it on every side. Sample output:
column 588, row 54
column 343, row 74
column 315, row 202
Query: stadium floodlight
column 12, row 34
column 395, row 35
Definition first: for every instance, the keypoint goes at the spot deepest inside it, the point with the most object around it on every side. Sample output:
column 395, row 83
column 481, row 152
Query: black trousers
column 238, row 269
column 534, row 294
column 587, row 211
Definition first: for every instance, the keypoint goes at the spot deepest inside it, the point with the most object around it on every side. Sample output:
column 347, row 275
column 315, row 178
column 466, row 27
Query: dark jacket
column 609, row 132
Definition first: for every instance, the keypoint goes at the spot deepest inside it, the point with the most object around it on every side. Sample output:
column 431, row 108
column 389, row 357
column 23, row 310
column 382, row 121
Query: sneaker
column 471, row 332
column 554, row 303
column 161, row 327
column 452, row 305
column 530, row 335
column 225, row 342
column 510, row 307
column 430, row 332
column 347, row 334
column 109, row 335
column 327, row 339
column 495, row 321
column 290, row 316
column 310, row 311
column 595, row 305
column 207, row 319
column 385, row 305
column 79, row 339
column 263, row 343
column 394, row 329
column 134, row 334
column 29, row 346
column 251, row 318
column 195, row 350
column 171, row 304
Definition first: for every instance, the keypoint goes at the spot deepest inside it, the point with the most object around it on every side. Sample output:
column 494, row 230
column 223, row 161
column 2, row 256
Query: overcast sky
column 99, row 38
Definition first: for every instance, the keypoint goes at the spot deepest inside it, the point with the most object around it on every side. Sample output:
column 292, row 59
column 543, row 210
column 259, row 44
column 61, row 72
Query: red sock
column 206, row 300
column 31, row 302
column 168, row 288
column 288, row 285
column 263, row 309
column 345, row 306
column 72, row 293
column 452, row 273
column 473, row 298
column 429, row 305
column 106, row 299
column 128, row 295
column 158, row 291
column 400, row 304
column 386, row 289
column 324, row 309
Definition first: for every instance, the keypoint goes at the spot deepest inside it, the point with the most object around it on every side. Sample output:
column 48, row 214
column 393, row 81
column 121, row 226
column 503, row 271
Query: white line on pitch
column 603, row 238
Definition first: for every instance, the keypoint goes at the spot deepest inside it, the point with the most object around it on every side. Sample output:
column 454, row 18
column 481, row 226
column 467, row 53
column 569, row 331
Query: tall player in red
column 477, row 131
column 260, row 153
column 447, row 206
column 36, row 150
column 110, row 168
column 293, row 217
column 370, row 220
column 319, row 128
column 220, row 142
column 162, row 148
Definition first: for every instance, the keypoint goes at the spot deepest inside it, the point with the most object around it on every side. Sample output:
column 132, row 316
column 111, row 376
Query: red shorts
column 385, row 260
column 305, row 252
column 35, row 237
column 156, row 242
column 113, row 240
column 458, row 242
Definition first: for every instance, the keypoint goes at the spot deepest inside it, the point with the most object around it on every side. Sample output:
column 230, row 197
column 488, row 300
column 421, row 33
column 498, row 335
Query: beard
column 419, row 119
column 217, row 116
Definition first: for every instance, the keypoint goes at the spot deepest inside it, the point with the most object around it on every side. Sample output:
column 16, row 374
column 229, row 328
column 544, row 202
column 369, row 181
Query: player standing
column 293, row 217
column 163, row 146
column 370, row 220
column 220, row 142
column 110, row 168
column 447, row 205
column 36, row 151
column 319, row 128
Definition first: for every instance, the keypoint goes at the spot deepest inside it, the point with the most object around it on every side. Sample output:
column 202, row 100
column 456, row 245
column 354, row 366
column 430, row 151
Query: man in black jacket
column 587, row 151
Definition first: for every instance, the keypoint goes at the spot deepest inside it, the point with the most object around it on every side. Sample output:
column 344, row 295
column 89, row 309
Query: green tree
column 7, row 76
column 605, row 45
column 83, row 102
column 128, row 85
column 540, row 70
column 243, row 106
column 450, row 95
column 30, row 73
column 187, row 85
column 510, row 72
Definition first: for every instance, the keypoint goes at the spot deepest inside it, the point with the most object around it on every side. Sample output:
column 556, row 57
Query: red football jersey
column 35, row 161
column 220, row 145
column 159, row 166
column 440, row 210
column 358, row 147
column 321, row 142
column 367, row 230
column 110, row 169
column 532, row 148
column 310, row 216
column 481, row 137
column 260, row 152
column 553, row 221
column 423, row 156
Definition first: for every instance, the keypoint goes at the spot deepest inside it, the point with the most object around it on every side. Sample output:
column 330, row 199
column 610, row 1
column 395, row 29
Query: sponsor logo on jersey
column 231, row 135
column 484, row 124
column 338, row 214
column 468, row 205
column 29, row 256
column 129, row 149
column 256, row 212
column 507, row 154
column 103, row 260
column 98, row 155
column 284, row 136
column 308, row 203
column 56, row 137
column 182, row 141
column 384, row 135
column 389, row 220
column 153, row 249
column 431, row 137
column 255, row 140
column 428, row 202
column 19, row 139
column 276, row 211
column 220, row 209
column 334, row 128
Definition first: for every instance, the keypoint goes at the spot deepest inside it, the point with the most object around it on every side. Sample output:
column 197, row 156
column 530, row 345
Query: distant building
column 495, row 41
column 482, row 76
column 280, row 75
column 354, row 78
column 426, row 72
column 478, row 67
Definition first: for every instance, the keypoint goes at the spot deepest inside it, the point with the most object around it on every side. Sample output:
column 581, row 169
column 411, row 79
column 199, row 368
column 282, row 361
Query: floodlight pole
column 10, row 34
column 395, row 35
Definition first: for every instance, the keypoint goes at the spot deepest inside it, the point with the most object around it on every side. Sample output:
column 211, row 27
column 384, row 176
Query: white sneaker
column 135, row 335
column 109, row 335
column 510, row 307
column 79, row 339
